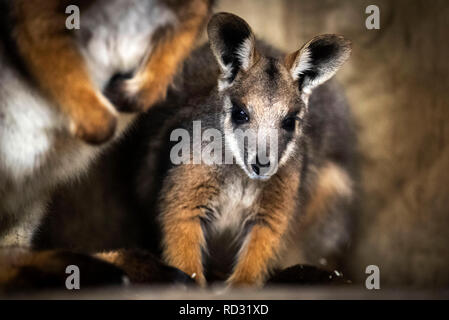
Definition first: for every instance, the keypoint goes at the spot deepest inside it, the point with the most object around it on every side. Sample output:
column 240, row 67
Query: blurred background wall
column 397, row 84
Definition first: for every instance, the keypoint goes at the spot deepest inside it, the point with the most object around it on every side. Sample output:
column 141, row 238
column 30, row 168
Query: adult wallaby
column 52, row 89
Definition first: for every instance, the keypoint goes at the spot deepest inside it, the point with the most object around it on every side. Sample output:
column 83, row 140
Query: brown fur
column 52, row 58
column 183, row 238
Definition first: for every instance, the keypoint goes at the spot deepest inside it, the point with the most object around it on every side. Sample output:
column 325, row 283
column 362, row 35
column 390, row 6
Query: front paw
column 199, row 279
column 93, row 121
column 307, row 275
column 196, row 276
column 244, row 280
column 152, row 92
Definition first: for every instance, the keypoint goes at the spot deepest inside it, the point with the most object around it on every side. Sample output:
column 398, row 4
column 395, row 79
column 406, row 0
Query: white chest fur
column 236, row 203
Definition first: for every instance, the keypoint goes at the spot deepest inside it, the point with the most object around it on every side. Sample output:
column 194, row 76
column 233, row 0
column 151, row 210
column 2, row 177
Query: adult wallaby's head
column 265, row 98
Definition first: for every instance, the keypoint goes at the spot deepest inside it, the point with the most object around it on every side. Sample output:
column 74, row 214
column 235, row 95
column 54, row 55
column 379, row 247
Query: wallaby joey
column 52, row 84
column 290, row 203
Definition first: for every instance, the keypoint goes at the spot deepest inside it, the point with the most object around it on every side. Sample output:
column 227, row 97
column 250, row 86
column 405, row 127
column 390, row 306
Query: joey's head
column 265, row 98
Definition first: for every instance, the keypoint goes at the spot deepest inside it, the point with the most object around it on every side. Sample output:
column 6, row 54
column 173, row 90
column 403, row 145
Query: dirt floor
column 397, row 83
column 220, row 293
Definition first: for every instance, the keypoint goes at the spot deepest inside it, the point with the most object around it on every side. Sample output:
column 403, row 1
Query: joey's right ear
column 233, row 45
column 318, row 60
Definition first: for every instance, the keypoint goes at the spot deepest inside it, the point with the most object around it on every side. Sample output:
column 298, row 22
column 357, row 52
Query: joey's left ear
column 318, row 60
column 233, row 45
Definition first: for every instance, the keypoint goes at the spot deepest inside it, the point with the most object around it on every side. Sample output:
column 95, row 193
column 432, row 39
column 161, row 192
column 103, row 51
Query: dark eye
column 289, row 123
column 239, row 116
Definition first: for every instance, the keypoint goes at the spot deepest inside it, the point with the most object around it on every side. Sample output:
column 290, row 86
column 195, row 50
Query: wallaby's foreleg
column 185, row 202
column 171, row 44
column 183, row 242
column 264, row 241
column 58, row 68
